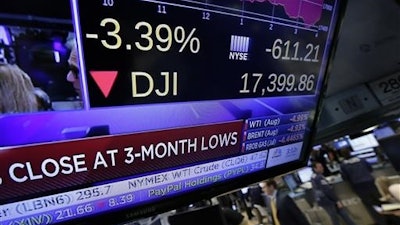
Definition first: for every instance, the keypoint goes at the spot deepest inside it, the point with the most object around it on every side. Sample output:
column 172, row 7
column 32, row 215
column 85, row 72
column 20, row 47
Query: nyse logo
column 239, row 48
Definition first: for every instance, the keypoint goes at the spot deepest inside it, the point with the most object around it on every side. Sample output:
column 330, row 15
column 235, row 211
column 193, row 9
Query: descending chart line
column 294, row 25
column 309, row 12
column 252, row 13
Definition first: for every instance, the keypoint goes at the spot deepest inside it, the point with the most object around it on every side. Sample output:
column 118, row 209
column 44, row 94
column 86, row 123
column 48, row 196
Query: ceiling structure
column 368, row 45
column 368, row 49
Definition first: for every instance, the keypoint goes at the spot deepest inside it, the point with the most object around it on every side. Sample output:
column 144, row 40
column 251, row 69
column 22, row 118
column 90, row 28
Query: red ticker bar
column 35, row 169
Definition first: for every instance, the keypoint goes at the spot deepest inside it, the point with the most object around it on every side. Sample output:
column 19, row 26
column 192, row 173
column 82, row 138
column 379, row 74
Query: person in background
column 390, row 192
column 332, row 161
column 254, row 195
column 43, row 100
column 321, row 155
column 16, row 90
column 283, row 208
column 358, row 173
column 232, row 217
column 326, row 197
column 393, row 217
column 73, row 74
column 394, row 191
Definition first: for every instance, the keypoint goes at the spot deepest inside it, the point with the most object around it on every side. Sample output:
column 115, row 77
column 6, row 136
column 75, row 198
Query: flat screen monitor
column 383, row 132
column 131, row 108
column 363, row 142
column 305, row 174
column 291, row 182
column 340, row 144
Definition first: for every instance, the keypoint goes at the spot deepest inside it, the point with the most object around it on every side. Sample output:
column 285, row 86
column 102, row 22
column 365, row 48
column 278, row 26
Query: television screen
column 131, row 108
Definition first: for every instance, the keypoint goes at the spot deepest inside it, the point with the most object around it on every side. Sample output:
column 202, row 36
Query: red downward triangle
column 105, row 80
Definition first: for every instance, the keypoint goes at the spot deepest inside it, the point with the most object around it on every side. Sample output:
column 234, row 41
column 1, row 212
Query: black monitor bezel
column 169, row 203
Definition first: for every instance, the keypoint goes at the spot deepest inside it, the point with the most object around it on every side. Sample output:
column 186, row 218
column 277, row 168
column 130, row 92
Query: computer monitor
column 363, row 142
column 341, row 143
column 291, row 182
column 162, row 103
column 383, row 132
column 305, row 174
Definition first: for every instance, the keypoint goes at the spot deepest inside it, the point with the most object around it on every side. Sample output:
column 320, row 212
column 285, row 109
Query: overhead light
column 56, row 56
column 369, row 129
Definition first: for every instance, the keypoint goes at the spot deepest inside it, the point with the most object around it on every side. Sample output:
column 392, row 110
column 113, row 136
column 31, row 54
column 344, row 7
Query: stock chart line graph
column 298, row 14
column 308, row 10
